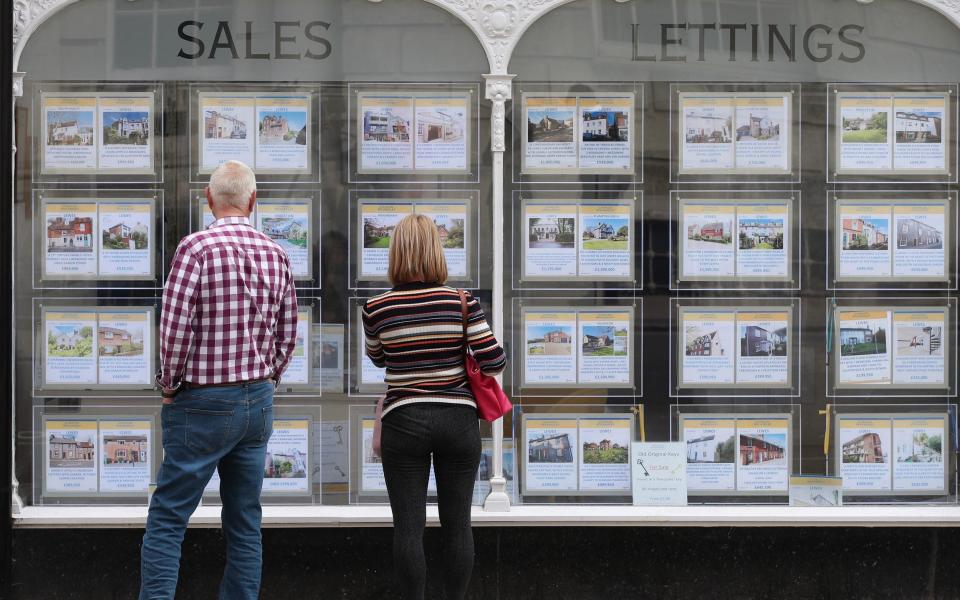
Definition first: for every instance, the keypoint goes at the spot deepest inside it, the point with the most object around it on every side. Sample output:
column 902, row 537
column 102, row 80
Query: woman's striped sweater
column 416, row 331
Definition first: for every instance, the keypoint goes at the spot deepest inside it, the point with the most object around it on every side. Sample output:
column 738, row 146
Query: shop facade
column 728, row 225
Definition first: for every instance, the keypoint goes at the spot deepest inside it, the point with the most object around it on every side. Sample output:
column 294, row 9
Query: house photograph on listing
column 126, row 128
column 865, row 233
column 605, row 234
column 118, row 341
column 604, row 125
column 125, row 449
column 440, row 126
column 918, row 127
column 551, row 232
column 763, row 449
column 70, row 234
column 385, row 124
column 121, row 235
column 283, row 128
column 706, row 232
column 864, row 448
column 711, row 448
column 70, row 450
column 550, row 449
column 549, row 340
column 707, row 126
column 917, row 235
column 550, row 125
column 70, row 128
column 219, row 125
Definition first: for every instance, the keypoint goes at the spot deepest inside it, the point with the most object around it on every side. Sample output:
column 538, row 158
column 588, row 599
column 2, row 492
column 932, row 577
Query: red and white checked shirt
column 229, row 308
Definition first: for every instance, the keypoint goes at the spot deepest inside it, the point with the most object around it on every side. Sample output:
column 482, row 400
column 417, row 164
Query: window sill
column 96, row 517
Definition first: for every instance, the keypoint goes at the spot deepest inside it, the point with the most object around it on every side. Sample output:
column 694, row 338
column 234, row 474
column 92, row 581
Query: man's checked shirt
column 229, row 308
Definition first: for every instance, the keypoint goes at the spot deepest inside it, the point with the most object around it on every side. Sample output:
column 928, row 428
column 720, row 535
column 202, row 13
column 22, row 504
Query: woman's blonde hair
column 415, row 252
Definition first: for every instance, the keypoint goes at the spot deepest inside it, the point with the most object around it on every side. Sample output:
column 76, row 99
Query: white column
column 499, row 90
column 16, row 503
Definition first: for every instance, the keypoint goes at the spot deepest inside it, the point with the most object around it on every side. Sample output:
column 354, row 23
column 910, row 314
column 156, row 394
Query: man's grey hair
column 232, row 184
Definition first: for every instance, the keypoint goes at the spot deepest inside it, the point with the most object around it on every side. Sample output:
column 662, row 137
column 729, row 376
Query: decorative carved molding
column 499, row 90
column 498, row 24
column 948, row 8
column 27, row 16
column 18, row 84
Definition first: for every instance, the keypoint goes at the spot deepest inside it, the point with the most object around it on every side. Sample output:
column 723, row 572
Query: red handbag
column 492, row 403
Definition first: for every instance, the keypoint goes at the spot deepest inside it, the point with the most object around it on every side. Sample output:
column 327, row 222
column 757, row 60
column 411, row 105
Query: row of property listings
column 565, row 455
column 736, row 346
column 718, row 239
column 718, row 131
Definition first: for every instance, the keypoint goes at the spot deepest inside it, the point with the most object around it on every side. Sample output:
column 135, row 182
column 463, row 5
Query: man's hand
column 168, row 395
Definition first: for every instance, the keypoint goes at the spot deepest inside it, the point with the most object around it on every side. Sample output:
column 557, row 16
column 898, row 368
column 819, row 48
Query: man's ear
column 253, row 201
column 209, row 198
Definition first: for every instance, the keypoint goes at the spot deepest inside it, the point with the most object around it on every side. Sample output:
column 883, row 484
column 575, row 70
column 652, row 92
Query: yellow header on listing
column 291, row 424
column 921, row 103
column 212, row 102
column 917, row 423
column 385, row 209
column 708, row 316
column 859, row 315
column 617, row 317
column 707, row 101
column 550, row 316
column 708, row 423
column 129, row 317
column 72, row 316
column 551, row 210
column 138, row 426
column 758, row 210
column 600, row 210
column 550, row 101
column 901, row 317
column 457, row 102
column 867, row 211
column 764, row 316
column 73, row 425
column 71, row 208
column 920, row 209
column 864, row 423
column 140, row 103
column 874, row 102
column 70, row 102
column 299, row 103
column 598, row 104
column 551, row 424
column 704, row 210
column 766, row 101
column 377, row 102
column 623, row 423
column 762, row 424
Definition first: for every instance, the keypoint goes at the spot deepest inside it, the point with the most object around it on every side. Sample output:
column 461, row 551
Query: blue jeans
column 224, row 428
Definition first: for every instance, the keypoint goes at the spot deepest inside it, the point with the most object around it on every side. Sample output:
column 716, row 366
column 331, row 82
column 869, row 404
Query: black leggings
column 410, row 435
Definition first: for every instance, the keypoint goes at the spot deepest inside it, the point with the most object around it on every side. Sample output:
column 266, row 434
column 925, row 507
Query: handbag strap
column 464, row 317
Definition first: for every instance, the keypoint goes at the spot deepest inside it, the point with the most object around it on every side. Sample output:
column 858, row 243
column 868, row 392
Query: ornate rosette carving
column 498, row 23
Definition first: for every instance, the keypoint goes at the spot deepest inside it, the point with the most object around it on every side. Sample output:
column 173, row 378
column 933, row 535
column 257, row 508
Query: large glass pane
column 341, row 107
column 797, row 177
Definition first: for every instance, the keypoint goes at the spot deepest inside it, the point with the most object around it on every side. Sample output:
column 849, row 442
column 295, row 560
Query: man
column 228, row 329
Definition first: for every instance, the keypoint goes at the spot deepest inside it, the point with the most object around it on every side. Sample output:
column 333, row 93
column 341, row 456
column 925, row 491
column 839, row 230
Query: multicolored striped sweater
column 416, row 331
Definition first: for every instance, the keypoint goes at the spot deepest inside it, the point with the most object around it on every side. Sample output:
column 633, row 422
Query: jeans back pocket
column 267, row 431
column 207, row 431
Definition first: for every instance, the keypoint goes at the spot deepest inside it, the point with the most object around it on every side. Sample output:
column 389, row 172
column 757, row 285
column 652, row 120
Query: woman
column 416, row 331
